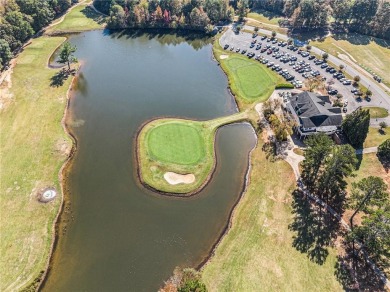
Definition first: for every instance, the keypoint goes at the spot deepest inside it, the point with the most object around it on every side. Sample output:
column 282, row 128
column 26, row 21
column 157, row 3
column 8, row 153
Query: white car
column 347, row 82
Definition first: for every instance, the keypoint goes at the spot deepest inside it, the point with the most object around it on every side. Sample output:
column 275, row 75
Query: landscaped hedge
column 284, row 86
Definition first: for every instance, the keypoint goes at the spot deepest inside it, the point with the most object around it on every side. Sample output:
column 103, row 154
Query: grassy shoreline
column 34, row 148
column 256, row 250
column 151, row 169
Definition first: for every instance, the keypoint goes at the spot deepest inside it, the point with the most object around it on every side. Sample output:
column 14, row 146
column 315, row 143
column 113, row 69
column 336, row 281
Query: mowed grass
column 177, row 142
column 80, row 18
column 375, row 137
column 180, row 146
column 366, row 52
column 265, row 17
column 377, row 112
column 369, row 166
column 257, row 253
column 250, row 81
column 33, row 148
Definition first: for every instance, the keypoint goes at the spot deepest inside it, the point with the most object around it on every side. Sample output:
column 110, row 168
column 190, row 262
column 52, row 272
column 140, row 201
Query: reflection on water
column 120, row 236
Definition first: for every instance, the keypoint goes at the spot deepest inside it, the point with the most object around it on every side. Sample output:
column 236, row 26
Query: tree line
column 325, row 171
column 21, row 19
column 184, row 14
column 369, row 17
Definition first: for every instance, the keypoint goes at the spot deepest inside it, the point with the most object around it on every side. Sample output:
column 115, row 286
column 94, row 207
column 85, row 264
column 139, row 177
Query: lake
column 119, row 235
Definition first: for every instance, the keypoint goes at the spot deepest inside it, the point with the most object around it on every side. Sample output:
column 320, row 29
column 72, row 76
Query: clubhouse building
column 313, row 114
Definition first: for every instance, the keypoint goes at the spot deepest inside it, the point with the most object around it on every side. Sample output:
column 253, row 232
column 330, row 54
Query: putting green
column 180, row 146
column 176, row 142
column 249, row 79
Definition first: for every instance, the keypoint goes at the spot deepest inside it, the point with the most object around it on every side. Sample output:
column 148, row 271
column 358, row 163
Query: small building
column 314, row 114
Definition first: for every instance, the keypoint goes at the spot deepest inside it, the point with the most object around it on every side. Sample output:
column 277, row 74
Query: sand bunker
column 175, row 178
column 47, row 195
column 222, row 57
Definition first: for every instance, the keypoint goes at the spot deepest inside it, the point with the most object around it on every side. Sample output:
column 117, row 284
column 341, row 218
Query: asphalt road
column 379, row 98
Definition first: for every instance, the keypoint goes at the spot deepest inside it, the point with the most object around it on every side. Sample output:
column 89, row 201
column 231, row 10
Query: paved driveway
column 380, row 98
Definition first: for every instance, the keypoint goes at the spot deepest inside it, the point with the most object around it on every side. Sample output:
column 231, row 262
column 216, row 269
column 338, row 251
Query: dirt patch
column 6, row 96
column 222, row 57
column 175, row 178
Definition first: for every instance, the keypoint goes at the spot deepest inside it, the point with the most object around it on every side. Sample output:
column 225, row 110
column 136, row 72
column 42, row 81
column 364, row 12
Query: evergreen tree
column 356, row 125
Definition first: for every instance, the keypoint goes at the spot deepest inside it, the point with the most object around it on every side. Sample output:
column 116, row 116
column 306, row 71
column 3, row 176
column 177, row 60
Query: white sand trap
column 175, row 178
column 222, row 57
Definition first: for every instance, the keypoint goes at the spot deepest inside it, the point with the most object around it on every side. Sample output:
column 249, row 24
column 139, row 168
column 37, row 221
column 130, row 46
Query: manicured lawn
column 375, row 137
column 369, row 165
column 265, row 17
column 250, row 81
column 81, row 18
column 365, row 51
column 180, row 146
column 33, row 148
column 177, row 142
column 377, row 112
column 257, row 252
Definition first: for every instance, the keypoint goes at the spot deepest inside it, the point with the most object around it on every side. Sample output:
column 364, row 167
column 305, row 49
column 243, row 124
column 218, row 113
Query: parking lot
column 294, row 66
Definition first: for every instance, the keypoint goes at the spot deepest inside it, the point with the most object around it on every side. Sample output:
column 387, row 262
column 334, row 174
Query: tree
column 368, row 93
column 356, row 125
column 382, row 125
column 384, row 154
column 67, row 54
column 342, row 10
column 242, row 8
column 325, row 56
column 308, row 48
column 356, row 78
column 318, row 148
column 289, row 41
column 273, row 33
column 40, row 12
column 374, row 233
column 341, row 67
column 117, row 17
column 368, row 195
column 256, row 29
column 5, row 53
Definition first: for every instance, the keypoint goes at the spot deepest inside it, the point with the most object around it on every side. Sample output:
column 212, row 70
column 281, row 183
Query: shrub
column 284, row 86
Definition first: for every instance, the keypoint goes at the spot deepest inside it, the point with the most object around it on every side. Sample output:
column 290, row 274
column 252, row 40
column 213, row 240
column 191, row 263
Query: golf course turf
column 179, row 146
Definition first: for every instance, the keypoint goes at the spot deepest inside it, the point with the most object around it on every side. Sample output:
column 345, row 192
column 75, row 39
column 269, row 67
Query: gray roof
column 315, row 110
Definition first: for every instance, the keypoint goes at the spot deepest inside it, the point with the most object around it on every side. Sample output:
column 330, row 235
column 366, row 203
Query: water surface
column 124, row 237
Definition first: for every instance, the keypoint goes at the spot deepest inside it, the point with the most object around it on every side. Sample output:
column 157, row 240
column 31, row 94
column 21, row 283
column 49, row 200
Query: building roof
column 315, row 111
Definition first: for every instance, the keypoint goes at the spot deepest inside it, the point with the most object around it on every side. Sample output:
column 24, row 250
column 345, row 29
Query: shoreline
column 138, row 172
column 229, row 223
column 61, row 176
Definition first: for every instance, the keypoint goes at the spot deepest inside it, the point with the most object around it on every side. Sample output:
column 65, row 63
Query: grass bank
column 377, row 112
column 369, row 53
column 249, row 81
column 375, row 137
column 80, row 18
column 34, row 146
column 257, row 253
column 179, row 146
column 368, row 165
column 265, row 17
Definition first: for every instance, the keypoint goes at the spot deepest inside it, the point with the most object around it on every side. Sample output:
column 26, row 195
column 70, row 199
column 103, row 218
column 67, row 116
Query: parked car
column 238, row 50
column 254, row 35
column 311, row 57
column 226, row 46
column 345, row 109
column 323, row 66
column 232, row 48
column 263, row 37
column 347, row 82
